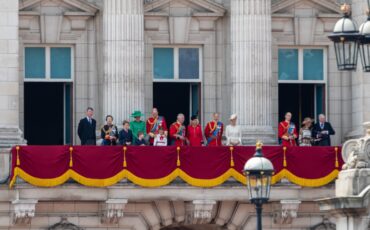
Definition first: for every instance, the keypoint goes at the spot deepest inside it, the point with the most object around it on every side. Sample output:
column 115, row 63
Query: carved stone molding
column 356, row 152
column 287, row 211
column 23, row 211
column 113, row 210
column 200, row 211
column 64, row 224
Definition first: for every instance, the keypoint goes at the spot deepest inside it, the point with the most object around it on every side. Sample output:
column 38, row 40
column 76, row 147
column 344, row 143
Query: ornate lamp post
column 364, row 43
column 258, row 171
column 348, row 41
column 345, row 37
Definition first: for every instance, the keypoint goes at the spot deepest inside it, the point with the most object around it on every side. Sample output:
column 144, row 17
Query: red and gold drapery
column 101, row 166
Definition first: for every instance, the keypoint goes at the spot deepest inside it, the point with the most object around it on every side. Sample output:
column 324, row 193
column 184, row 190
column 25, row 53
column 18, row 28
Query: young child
column 140, row 141
column 160, row 139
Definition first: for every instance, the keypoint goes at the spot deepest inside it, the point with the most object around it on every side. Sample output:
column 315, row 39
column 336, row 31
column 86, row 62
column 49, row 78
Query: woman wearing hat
column 233, row 132
column 305, row 133
column 137, row 125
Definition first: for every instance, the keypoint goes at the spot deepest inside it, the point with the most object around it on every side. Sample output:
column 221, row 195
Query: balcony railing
column 102, row 166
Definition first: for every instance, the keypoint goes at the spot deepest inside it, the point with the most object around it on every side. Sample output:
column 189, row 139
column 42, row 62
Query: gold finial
column 345, row 8
column 259, row 145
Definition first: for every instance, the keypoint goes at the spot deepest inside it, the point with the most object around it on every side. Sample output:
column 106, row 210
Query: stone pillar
column 123, row 91
column 251, row 95
column 360, row 81
column 10, row 133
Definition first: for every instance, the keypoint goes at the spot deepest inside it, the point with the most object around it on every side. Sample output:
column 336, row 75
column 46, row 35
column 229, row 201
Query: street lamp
column 364, row 43
column 345, row 37
column 348, row 41
column 258, row 171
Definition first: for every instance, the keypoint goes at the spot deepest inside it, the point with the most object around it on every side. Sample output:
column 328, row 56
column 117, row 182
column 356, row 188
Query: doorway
column 47, row 113
column 173, row 98
column 302, row 100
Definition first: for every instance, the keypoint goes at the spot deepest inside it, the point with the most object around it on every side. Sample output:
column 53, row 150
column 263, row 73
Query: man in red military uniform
column 178, row 131
column 287, row 131
column 153, row 124
column 213, row 131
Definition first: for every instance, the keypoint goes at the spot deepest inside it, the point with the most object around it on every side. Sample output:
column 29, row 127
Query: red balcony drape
column 101, row 166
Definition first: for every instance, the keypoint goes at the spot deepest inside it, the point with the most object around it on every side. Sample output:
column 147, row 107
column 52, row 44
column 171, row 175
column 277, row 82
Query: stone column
column 251, row 73
column 360, row 81
column 123, row 91
column 10, row 133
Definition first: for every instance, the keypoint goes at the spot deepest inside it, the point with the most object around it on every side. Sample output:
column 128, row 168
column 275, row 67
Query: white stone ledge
column 182, row 192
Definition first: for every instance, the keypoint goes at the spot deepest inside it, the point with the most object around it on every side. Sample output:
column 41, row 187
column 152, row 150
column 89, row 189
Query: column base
column 252, row 134
column 10, row 136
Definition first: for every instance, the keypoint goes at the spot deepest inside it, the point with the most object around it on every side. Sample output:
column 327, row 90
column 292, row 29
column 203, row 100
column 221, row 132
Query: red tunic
column 209, row 130
column 194, row 135
column 283, row 133
column 153, row 124
column 177, row 129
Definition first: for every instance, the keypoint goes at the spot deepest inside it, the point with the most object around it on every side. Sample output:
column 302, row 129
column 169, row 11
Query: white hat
column 233, row 116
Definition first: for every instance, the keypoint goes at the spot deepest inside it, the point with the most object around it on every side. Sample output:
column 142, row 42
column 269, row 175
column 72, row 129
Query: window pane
column 288, row 64
column 34, row 62
column 60, row 63
column 189, row 63
column 163, row 63
column 313, row 64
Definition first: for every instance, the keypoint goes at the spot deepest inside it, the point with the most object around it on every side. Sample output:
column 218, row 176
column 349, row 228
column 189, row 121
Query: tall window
column 176, row 63
column 48, row 63
column 301, row 64
column 302, row 82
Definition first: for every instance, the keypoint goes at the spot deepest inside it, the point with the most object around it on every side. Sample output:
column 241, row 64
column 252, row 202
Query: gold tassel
column 336, row 157
column 178, row 157
column 285, row 163
column 124, row 157
column 18, row 161
column 70, row 157
column 232, row 164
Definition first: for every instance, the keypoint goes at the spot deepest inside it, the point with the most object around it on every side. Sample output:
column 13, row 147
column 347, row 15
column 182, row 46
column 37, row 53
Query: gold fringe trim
column 311, row 182
column 178, row 163
column 164, row 180
column 153, row 182
column 232, row 164
column 284, row 162
column 70, row 157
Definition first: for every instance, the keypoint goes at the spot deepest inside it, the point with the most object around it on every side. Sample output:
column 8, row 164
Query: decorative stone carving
column 65, row 225
column 199, row 211
column 287, row 211
column 23, row 211
column 113, row 210
column 356, row 153
column 325, row 225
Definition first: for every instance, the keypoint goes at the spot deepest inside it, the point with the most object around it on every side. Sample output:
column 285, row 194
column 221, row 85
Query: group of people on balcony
column 308, row 135
column 154, row 131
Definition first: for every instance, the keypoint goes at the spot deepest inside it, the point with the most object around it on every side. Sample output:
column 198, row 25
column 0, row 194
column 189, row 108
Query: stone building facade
column 224, row 55
column 256, row 58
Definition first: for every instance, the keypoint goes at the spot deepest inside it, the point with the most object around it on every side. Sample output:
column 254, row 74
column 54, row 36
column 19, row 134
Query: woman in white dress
column 233, row 132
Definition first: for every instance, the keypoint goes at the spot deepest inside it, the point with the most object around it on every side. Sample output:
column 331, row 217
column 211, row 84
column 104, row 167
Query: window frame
column 48, row 63
column 300, row 65
column 176, row 59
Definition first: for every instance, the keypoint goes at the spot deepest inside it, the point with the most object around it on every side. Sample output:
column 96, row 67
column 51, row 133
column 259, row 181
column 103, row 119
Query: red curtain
column 158, row 166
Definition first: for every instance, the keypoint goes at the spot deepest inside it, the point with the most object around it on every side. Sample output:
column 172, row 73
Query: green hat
column 137, row 114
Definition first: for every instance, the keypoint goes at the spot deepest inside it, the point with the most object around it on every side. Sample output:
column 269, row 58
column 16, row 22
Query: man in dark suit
column 87, row 127
column 321, row 132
